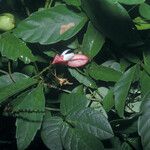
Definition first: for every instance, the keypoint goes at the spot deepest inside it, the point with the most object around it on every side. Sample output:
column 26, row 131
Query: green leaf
column 29, row 121
column 144, row 11
column 72, row 102
column 126, row 146
column 108, row 101
column 143, row 122
column 93, row 41
column 73, row 2
column 131, row 2
column 51, row 132
column 144, row 80
column 49, row 26
column 74, row 139
column 112, row 19
column 99, row 72
column 85, row 80
column 121, row 90
column 5, row 80
column 141, row 24
column 13, row 88
column 13, row 48
column 91, row 121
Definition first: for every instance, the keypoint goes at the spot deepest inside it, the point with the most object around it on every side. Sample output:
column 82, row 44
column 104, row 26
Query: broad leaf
column 121, row 90
column 72, row 102
column 99, row 72
column 13, row 48
column 74, row 139
column 91, row 121
column 131, row 2
column 31, row 109
column 51, row 132
column 87, row 81
column 93, row 41
column 144, row 11
column 49, row 26
column 144, row 80
column 16, row 87
column 112, row 19
column 143, row 122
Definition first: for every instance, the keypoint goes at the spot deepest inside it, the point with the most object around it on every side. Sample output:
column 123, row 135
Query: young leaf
column 99, row 72
column 91, row 121
column 16, row 87
column 143, row 122
column 29, row 121
column 93, row 41
column 121, row 90
column 74, row 139
column 72, row 102
column 50, row 133
column 13, row 48
column 52, row 25
column 87, row 81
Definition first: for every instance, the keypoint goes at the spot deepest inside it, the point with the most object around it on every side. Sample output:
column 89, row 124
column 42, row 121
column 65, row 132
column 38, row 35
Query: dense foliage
column 102, row 105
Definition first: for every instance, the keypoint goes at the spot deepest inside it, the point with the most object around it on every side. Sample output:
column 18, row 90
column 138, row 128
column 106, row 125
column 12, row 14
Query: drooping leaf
column 72, row 102
column 5, row 80
column 87, row 81
column 16, row 87
column 49, row 26
column 112, row 19
column 13, row 48
column 99, row 72
column 91, row 121
column 143, row 122
column 131, row 2
column 144, row 10
column 31, row 107
column 93, row 41
column 51, row 132
column 73, row 138
column 121, row 90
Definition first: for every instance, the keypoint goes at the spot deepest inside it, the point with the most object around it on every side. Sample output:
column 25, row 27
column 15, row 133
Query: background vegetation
column 103, row 105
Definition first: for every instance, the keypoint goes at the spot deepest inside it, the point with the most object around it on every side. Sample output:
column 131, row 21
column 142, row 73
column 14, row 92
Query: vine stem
column 52, row 109
column 9, row 71
column 44, row 70
column 4, row 72
column 57, row 88
column 26, row 8
column 48, row 3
